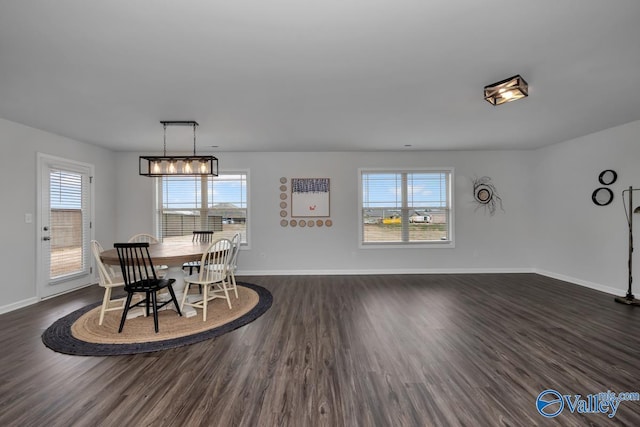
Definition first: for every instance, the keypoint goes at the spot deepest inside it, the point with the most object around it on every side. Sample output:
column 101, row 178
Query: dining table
column 173, row 254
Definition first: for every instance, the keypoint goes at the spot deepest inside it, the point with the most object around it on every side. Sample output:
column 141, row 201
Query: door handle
column 46, row 238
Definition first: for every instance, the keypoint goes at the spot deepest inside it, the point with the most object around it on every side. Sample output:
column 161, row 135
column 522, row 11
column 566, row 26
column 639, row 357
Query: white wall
column 575, row 239
column 483, row 242
column 18, row 176
column 134, row 210
column 549, row 225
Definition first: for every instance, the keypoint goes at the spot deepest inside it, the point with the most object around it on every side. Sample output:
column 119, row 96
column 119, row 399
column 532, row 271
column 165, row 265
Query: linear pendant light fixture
column 506, row 90
column 190, row 165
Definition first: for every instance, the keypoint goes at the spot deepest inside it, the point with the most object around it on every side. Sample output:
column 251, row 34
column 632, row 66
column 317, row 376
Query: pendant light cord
column 194, row 139
column 164, row 125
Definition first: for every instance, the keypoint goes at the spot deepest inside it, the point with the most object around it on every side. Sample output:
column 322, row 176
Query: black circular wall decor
column 602, row 196
column 607, row 177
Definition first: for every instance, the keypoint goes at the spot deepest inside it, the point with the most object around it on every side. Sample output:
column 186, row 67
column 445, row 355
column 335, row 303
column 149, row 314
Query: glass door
column 65, row 226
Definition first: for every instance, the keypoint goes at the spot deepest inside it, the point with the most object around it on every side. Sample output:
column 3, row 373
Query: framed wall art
column 310, row 197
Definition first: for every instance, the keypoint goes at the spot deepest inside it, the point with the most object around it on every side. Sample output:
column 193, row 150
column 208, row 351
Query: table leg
column 177, row 273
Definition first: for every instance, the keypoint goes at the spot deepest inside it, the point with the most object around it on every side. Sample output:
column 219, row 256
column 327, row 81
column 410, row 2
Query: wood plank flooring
column 397, row 350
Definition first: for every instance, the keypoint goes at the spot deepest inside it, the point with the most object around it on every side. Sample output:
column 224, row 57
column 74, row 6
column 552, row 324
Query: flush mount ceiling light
column 506, row 90
column 190, row 165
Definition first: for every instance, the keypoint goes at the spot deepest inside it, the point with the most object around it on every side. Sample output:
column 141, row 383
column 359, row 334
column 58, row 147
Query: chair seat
column 148, row 285
column 195, row 279
column 191, row 265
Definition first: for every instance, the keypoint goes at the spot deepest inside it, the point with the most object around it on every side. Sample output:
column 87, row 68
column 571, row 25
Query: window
column 406, row 207
column 188, row 203
column 68, row 223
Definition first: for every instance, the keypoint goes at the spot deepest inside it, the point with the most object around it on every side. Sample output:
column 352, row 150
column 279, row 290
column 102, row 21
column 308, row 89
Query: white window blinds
column 218, row 204
column 69, row 223
column 406, row 206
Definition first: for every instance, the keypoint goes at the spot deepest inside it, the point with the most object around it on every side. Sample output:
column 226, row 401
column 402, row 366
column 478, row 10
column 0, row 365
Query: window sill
column 445, row 244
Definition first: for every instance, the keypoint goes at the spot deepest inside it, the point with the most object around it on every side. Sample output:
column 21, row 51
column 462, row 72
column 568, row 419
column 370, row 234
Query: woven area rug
column 79, row 334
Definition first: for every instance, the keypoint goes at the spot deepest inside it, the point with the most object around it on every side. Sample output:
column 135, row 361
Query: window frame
column 158, row 201
column 434, row 244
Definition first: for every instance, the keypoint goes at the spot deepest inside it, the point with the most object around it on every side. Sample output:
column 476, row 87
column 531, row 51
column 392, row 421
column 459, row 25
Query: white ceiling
column 324, row 75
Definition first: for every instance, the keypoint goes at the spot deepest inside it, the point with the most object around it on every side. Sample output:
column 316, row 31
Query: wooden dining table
column 171, row 254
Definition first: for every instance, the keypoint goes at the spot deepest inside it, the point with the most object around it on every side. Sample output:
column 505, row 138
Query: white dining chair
column 233, row 262
column 143, row 238
column 198, row 237
column 109, row 279
column 213, row 277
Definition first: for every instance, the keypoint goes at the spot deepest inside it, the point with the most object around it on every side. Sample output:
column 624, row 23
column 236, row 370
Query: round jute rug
column 78, row 333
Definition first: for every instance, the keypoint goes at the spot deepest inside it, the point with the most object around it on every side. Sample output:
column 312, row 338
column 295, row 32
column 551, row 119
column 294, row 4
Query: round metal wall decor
column 483, row 194
column 607, row 177
column 602, row 196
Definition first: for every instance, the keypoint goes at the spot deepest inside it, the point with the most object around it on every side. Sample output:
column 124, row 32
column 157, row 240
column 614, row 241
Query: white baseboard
column 576, row 281
column 33, row 300
column 68, row 291
column 383, row 272
column 585, row 283
column 19, row 304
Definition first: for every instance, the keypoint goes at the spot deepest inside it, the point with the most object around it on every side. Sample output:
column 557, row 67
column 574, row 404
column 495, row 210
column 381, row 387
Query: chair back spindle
column 202, row 236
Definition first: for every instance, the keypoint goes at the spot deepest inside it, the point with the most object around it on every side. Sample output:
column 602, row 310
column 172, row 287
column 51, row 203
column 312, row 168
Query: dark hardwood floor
column 400, row 350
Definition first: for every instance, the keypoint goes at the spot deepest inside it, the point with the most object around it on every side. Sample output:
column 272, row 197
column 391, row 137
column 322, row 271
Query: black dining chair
column 161, row 270
column 198, row 237
column 140, row 277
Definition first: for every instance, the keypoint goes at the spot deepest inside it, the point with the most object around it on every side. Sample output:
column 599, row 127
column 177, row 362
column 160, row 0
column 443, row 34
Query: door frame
column 42, row 277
